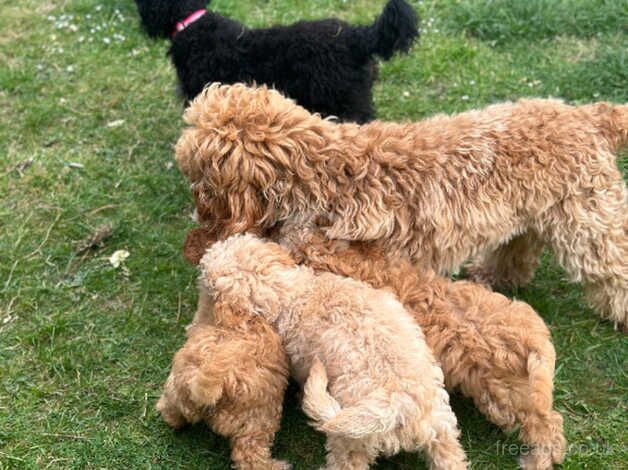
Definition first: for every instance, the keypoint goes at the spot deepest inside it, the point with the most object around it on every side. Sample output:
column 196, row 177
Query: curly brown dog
column 495, row 351
column 232, row 376
column 370, row 381
column 496, row 184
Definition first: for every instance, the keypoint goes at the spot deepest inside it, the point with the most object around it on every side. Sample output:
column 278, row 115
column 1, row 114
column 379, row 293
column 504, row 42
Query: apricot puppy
column 232, row 376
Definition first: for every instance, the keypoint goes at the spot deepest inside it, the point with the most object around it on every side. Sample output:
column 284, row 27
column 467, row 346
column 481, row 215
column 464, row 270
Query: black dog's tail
column 394, row 31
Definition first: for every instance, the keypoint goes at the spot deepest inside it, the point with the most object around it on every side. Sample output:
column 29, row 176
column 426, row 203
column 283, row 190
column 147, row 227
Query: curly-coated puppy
column 370, row 381
column 327, row 66
column 498, row 183
column 231, row 375
column 495, row 351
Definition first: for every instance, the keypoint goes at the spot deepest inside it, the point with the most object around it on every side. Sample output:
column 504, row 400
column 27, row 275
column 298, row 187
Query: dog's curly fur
column 498, row 183
column 328, row 66
column 370, row 381
column 496, row 351
column 231, row 375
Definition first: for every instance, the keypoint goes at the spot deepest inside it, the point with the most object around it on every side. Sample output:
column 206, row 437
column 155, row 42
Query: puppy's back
column 382, row 332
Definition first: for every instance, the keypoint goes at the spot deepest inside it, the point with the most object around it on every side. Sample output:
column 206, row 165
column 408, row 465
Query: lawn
column 89, row 117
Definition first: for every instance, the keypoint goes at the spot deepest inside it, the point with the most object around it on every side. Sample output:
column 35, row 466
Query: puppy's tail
column 394, row 31
column 374, row 414
column 206, row 387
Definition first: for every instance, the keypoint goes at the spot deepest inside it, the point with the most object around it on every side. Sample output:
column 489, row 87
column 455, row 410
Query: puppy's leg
column 541, row 427
column 510, row 265
column 170, row 412
column 544, row 435
column 251, row 430
column 589, row 237
column 499, row 353
column 443, row 448
column 174, row 405
column 508, row 404
column 344, row 454
column 251, row 451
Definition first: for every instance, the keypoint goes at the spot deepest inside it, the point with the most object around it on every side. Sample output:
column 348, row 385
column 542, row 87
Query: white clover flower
column 118, row 257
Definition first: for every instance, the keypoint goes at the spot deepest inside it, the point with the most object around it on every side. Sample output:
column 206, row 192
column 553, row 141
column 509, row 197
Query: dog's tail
column 394, row 31
column 374, row 414
column 612, row 122
column 619, row 115
column 207, row 386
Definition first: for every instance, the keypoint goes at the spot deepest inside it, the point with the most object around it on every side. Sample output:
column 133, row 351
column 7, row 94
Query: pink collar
column 181, row 25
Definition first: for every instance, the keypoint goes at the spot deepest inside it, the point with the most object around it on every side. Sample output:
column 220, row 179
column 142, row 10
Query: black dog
column 327, row 66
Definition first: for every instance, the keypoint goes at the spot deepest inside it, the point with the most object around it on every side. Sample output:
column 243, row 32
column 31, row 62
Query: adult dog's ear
column 196, row 243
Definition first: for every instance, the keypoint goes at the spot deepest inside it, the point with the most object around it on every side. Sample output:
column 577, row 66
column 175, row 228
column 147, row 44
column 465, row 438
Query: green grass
column 84, row 347
column 507, row 20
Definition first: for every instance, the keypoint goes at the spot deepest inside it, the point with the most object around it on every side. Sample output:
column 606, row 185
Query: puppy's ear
column 196, row 243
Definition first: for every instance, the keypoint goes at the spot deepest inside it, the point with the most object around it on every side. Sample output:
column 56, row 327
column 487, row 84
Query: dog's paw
column 536, row 459
column 280, row 465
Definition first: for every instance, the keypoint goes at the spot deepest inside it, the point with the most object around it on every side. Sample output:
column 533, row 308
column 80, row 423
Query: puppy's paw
column 536, row 459
column 280, row 465
column 170, row 414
